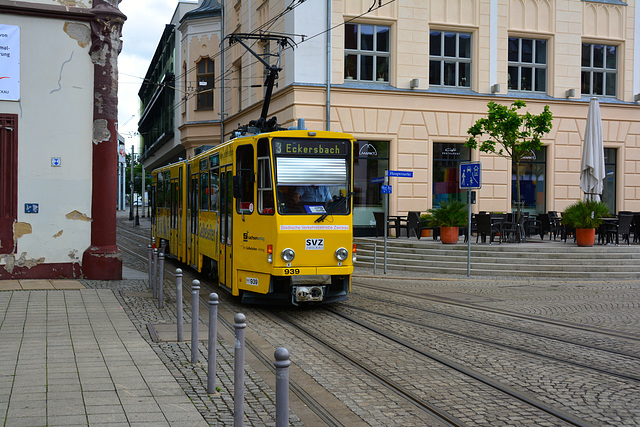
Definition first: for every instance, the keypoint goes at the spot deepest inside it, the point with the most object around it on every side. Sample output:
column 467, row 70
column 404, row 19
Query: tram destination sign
column 310, row 147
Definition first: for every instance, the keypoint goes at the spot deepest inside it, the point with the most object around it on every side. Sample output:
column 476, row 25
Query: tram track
column 423, row 405
column 446, row 390
column 136, row 240
column 497, row 334
column 633, row 361
column 478, row 384
column 418, row 296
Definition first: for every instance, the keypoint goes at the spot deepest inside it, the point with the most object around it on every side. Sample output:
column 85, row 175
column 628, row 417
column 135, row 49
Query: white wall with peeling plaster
column 55, row 115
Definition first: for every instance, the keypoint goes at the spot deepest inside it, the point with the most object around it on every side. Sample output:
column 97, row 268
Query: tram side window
column 265, row 186
column 214, row 184
column 167, row 189
column 152, row 203
column 175, row 199
column 204, row 191
column 160, row 190
column 214, row 189
column 245, row 179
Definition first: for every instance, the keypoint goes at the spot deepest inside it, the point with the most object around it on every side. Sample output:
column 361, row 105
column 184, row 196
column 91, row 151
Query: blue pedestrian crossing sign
column 470, row 175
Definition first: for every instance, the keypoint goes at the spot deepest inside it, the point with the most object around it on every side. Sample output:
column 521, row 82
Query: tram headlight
column 288, row 255
column 342, row 254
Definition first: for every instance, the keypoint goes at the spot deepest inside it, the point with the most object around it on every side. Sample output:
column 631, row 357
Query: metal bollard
column 161, row 277
column 238, row 371
column 375, row 257
column 195, row 294
column 150, row 252
column 213, row 338
column 282, row 386
column 179, row 314
column 154, row 275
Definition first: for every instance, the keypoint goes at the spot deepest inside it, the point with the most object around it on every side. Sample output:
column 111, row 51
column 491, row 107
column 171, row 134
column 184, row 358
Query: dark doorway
column 8, row 180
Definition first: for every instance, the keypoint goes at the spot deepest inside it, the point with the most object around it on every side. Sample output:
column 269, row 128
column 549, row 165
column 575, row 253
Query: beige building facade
column 409, row 77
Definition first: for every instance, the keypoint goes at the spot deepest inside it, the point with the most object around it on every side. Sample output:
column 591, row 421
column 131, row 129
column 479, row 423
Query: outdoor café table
column 396, row 222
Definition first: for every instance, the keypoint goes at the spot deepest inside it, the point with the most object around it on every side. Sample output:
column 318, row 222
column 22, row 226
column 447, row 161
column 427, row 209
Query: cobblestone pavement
column 594, row 397
column 217, row 409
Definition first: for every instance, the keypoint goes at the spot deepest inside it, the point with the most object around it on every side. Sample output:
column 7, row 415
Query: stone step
column 551, row 259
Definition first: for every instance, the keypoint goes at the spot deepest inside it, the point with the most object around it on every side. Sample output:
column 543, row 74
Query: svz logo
column 314, row 244
column 245, row 236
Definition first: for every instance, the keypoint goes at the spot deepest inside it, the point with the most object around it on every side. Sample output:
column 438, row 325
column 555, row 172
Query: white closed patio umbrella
column 592, row 171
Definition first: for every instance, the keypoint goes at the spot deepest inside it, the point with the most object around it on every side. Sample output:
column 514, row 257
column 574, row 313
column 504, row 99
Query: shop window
column 371, row 160
column 532, row 183
column 609, row 189
column 447, row 157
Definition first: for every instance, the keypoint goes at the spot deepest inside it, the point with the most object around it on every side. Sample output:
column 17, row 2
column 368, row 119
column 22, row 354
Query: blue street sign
column 377, row 180
column 402, row 174
column 31, row 208
column 386, row 189
column 470, row 175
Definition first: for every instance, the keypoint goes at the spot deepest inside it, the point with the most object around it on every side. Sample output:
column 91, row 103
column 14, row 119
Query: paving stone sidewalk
column 73, row 357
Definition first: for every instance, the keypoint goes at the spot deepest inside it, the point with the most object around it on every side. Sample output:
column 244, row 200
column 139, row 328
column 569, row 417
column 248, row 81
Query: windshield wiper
column 333, row 207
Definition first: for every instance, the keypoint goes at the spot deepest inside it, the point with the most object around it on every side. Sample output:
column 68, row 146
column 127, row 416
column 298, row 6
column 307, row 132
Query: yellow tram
column 269, row 215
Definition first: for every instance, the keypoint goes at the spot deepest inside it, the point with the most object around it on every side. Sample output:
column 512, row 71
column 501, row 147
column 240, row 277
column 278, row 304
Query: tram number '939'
column 291, row 271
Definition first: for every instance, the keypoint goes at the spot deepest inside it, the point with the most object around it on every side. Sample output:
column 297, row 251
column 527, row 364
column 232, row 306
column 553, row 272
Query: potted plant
column 426, row 224
column 585, row 217
column 449, row 216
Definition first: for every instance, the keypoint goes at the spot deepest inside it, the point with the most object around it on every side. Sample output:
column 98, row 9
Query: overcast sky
column 140, row 36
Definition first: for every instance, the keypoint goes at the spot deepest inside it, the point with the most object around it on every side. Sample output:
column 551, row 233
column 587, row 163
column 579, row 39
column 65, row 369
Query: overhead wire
column 268, row 24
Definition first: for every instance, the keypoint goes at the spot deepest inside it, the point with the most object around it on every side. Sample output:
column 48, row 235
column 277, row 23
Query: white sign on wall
column 9, row 63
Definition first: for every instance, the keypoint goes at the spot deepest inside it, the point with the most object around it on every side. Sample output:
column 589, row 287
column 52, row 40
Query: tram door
column 175, row 244
column 192, row 228
column 225, row 263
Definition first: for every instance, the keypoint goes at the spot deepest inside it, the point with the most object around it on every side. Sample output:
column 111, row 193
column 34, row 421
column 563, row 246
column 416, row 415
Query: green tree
column 517, row 134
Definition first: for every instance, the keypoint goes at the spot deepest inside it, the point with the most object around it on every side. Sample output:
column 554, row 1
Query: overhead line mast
column 262, row 124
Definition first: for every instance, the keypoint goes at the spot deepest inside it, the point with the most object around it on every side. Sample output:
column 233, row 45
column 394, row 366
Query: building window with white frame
column 527, row 64
column 205, row 84
column 599, row 69
column 449, row 59
column 367, row 52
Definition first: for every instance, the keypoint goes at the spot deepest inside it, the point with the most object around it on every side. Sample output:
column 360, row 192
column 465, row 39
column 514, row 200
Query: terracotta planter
column 585, row 236
column 449, row 235
column 425, row 233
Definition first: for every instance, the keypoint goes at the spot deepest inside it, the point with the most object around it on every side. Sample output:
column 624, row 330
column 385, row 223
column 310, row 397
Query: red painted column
column 102, row 260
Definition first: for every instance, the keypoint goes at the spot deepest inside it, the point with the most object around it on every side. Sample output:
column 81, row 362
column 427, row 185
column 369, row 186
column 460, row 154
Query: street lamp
column 149, row 201
column 132, row 182
column 142, row 182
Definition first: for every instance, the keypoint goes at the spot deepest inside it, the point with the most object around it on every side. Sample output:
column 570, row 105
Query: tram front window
column 312, row 175
column 312, row 199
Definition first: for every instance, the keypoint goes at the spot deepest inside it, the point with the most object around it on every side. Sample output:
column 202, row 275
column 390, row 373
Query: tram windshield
column 312, row 176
